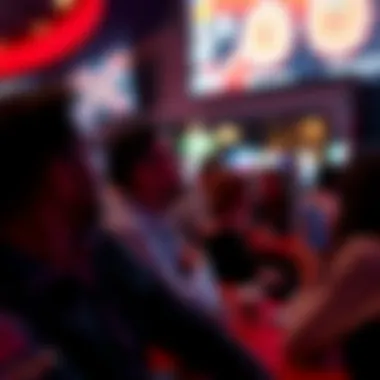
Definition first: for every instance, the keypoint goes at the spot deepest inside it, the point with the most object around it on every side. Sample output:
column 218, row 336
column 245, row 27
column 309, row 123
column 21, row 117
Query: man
column 192, row 213
column 143, row 169
column 77, row 291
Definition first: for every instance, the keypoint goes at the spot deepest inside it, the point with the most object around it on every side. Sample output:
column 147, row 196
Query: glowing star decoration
column 338, row 28
column 105, row 90
column 269, row 34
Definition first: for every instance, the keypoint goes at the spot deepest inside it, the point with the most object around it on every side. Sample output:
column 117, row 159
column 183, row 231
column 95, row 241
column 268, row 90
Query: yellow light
column 313, row 129
column 203, row 11
column 228, row 134
column 63, row 5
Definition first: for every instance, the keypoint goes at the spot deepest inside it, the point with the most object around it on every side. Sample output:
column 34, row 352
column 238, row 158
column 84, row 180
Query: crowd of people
column 92, row 276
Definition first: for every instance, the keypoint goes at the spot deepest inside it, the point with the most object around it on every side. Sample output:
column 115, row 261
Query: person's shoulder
column 363, row 248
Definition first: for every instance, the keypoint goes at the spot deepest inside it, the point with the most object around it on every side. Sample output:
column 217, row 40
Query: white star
column 101, row 88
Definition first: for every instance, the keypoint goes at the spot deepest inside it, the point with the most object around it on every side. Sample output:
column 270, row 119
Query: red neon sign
column 62, row 38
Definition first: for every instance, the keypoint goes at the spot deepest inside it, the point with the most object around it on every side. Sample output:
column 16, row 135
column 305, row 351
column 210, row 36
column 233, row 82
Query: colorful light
column 57, row 42
column 104, row 88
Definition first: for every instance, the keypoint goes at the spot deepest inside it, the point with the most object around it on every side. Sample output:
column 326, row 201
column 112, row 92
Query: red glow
column 241, row 6
column 65, row 36
column 233, row 6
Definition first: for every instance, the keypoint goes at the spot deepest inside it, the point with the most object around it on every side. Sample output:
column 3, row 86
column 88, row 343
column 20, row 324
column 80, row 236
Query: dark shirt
column 235, row 262
column 232, row 260
column 103, row 331
column 360, row 353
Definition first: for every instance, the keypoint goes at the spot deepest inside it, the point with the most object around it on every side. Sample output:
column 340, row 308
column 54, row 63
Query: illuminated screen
column 238, row 45
column 105, row 89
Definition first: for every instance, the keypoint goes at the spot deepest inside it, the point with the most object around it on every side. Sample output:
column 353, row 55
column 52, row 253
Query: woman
column 344, row 309
column 228, row 244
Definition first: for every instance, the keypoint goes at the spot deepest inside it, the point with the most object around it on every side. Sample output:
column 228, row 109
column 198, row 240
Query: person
column 320, row 211
column 235, row 260
column 272, row 209
column 343, row 309
column 191, row 214
column 226, row 246
column 77, row 289
column 143, row 170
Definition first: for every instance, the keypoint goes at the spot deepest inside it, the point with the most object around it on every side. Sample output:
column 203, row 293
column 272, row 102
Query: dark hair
column 127, row 150
column 328, row 178
column 359, row 192
column 211, row 169
column 34, row 128
column 227, row 190
column 275, row 204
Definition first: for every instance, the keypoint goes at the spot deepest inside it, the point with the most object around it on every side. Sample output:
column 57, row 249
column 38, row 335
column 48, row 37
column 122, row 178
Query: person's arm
column 173, row 324
column 347, row 298
column 203, row 289
column 197, row 281
column 197, row 286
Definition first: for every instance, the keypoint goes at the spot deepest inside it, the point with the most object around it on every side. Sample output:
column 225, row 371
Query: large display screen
column 239, row 45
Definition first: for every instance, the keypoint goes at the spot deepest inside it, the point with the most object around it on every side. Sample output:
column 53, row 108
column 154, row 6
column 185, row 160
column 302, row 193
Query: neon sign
column 53, row 41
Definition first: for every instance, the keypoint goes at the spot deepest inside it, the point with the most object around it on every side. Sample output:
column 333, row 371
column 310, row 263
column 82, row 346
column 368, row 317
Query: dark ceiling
column 130, row 21
column 140, row 17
